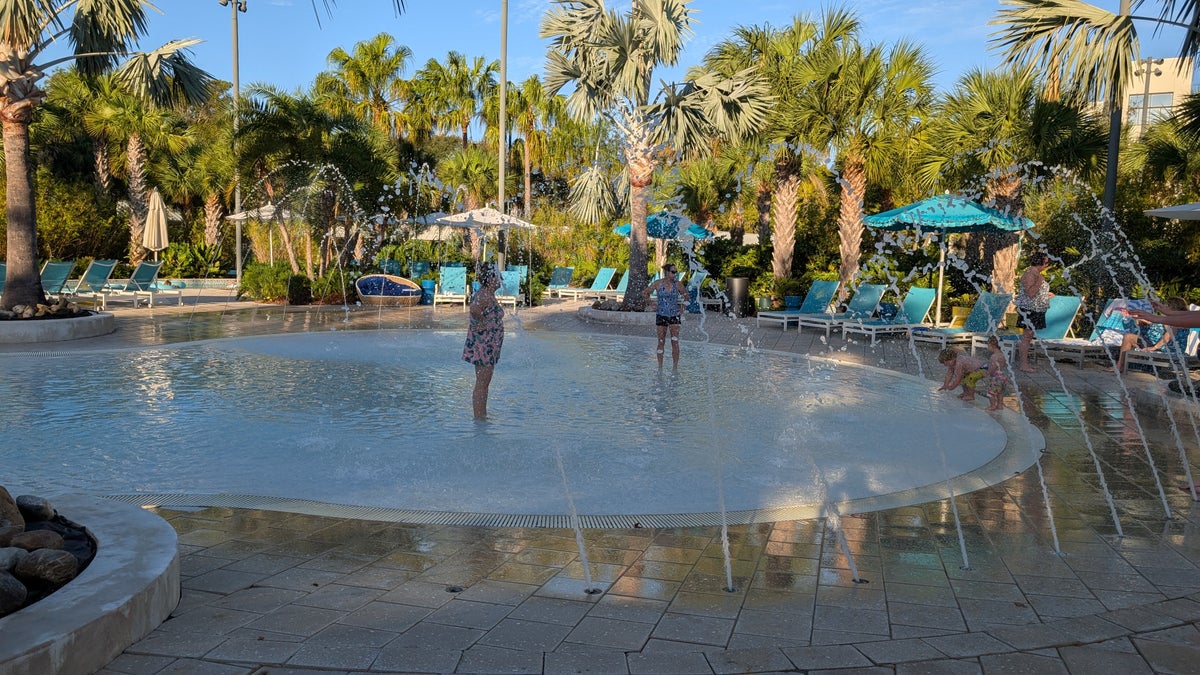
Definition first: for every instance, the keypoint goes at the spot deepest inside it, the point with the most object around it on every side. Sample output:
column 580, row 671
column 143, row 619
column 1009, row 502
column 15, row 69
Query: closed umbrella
column 154, row 236
column 947, row 214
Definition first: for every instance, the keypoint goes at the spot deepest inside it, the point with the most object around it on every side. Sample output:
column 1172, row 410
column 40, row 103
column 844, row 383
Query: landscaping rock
column 48, row 566
column 7, row 532
column 9, row 510
column 10, row 556
column 35, row 508
column 38, row 539
column 12, row 593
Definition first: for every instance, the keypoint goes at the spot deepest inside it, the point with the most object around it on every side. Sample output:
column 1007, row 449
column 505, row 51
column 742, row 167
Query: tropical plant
column 367, row 83
column 609, row 58
column 99, row 34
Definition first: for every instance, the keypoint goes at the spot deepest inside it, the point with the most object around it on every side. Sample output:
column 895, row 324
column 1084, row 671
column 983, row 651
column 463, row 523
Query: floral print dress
column 485, row 337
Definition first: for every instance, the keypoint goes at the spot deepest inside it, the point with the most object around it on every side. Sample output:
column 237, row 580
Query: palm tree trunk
column 783, row 212
column 1005, row 247
column 528, row 161
column 23, row 285
column 638, row 281
column 762, row 200
column 135, row 152
column 212, row 218
column 850, row 224
column 286, row 237
column 100, row 159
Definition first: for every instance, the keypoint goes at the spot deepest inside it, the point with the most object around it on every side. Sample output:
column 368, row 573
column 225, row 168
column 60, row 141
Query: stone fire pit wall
column 130, row 587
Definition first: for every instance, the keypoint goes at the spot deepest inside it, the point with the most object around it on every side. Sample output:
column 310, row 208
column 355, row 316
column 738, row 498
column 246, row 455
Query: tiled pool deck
column 278, row 592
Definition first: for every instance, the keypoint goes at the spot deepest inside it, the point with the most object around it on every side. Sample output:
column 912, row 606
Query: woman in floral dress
column 485, row 336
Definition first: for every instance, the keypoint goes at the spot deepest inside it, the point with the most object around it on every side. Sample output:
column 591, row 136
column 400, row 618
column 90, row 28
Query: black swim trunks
column 1032, row 319
column 660, row 320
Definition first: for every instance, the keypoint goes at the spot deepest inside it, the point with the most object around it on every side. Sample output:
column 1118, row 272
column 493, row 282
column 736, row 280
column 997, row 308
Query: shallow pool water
column 382, row 418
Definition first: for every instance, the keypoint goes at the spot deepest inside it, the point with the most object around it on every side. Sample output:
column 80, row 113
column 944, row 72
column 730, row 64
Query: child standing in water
column 961, row 369
column 997, row 368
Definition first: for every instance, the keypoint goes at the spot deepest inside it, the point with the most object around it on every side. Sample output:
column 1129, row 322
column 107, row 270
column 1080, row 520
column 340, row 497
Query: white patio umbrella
column 1180, row 212
column 265, row 212
column 154, row 236
column 486, row 220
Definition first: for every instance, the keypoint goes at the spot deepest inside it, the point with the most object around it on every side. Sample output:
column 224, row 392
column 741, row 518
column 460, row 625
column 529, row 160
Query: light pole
column 501, row 238
column 1146, row 69
column 236, row 6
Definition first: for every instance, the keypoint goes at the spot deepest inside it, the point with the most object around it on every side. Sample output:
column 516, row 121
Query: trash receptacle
column 738, row 291
column 428, row 287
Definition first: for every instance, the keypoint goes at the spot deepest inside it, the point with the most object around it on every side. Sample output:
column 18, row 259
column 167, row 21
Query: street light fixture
column 1146, row 68
column 234, row 8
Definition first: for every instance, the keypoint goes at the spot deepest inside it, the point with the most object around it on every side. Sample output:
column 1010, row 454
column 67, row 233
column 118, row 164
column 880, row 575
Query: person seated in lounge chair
column 961, row 369
column 1149, row 335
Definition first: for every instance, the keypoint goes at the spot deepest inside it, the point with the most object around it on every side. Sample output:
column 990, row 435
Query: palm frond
column 165, row 75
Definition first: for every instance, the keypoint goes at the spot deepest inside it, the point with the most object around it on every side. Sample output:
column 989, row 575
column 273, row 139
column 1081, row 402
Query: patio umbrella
column 947, row 214
column 485, row 220
column 1180, row 212
column 667, row 225
column 265, row 212
column 154, row 236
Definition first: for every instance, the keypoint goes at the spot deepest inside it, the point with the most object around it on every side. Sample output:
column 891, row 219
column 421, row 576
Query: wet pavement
column 267, row 591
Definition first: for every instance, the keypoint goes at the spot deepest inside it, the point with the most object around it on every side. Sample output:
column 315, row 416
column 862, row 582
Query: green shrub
column 335, row 287
column 191, row 261
column 265, row 283
column 299, row 290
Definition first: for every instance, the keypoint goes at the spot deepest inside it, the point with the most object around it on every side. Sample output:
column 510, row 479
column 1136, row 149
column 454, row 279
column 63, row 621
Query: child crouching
column 961, row 369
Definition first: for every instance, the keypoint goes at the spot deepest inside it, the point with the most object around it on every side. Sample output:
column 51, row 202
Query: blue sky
column 282, row 43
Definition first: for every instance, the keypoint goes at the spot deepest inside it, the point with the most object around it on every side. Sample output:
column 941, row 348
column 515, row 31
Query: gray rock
column 12, row 593
column 10, row 556
column 9, row 510
column 32, row 541
column 35, row 508
column 7, row 532
column 53, row 567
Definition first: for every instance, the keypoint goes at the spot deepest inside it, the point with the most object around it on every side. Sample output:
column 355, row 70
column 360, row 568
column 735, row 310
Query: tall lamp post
column 1147, row 69
column 236, row 6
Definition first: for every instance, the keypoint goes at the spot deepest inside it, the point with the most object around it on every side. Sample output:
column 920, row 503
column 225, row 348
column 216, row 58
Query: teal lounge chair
column 600, row 283
column 452, row 286
column 694, row 284
column 3, row 271
column 509, row 292
column 1109, row 329
column 617, row 293
column 860, row 308
column 55, row 274
column 417, row 269
column 93, row 284
column 816, row 303
column 522, row 270
column 986, row 317
column 143, row 285
column 911, row 313
column 559, row 278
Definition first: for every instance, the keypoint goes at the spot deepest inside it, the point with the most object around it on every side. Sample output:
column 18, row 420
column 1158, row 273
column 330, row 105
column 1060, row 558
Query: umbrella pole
column 941, row 281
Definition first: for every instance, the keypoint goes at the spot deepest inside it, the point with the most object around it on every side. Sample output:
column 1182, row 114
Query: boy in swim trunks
column 961, row 369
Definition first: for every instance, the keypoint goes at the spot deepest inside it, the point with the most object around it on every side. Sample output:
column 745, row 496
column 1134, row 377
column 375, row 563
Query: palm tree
column 471, row 175
column 99, row 33
column 453, row 93
column 994, row 126
column 610, row 59
column 785, row 57
column 368, row 84
column 865, row 106
column 534, row 112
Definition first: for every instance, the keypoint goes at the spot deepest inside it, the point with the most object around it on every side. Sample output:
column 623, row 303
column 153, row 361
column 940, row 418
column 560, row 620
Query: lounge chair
column 1169, row 360
column 816, row 303
column 617, row 293
column 985, row 317
column 559, row 278
column 143, row 285
column 600, row 283
column 55, row 274
column 509, row 292
column 416, row 269
column 93, row 284
column 452, row 286
column 1107, row 333
column 911, row 313
column 860, row 308
column 1059, row 318
column 3, row 272
column 694, row 284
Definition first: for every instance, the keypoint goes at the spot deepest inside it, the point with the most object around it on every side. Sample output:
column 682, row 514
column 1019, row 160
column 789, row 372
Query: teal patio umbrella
column 667, row 225
column 947, row 214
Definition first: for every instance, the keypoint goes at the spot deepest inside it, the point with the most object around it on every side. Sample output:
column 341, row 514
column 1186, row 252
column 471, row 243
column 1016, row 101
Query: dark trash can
column 737, row 289
column 428, row 287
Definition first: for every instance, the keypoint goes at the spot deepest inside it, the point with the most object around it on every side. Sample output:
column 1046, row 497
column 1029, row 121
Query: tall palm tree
column 534, row 111
column 99, row 34
column 865, row 106
column 454, row 91
column 368, row 83
column 610, row 59
column 471, row 176
column 993, row 126
column 785, row 57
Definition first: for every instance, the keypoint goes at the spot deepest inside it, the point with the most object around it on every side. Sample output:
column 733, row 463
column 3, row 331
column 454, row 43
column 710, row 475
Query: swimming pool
column 381, row 419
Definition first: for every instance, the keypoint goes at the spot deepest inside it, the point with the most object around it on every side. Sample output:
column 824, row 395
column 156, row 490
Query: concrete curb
column 130, row 588
column 56, row 330
column 591, row 315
